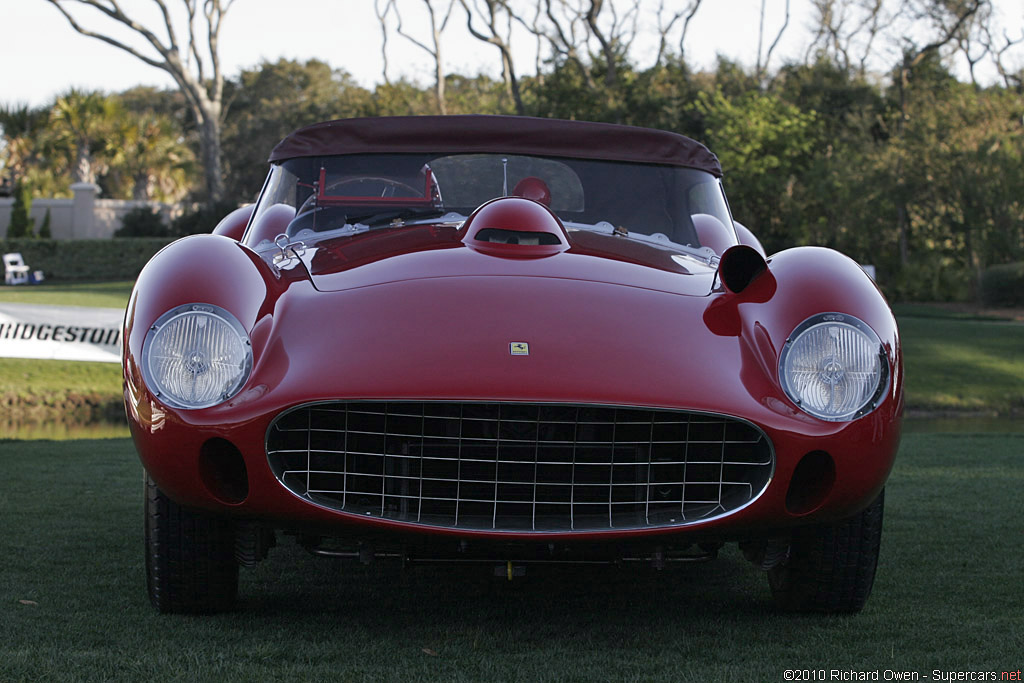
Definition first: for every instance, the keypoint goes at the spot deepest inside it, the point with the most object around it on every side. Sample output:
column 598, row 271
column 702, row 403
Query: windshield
column 305, row 197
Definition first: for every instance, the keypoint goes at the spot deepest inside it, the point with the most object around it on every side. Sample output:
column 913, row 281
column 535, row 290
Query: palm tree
column 196, row 71
column 81, row 127
column 153, row 158
column 21, row 127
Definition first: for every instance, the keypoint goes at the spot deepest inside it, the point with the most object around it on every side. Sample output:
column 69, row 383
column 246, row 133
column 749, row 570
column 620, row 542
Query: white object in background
column 15, row 270
column 61, row 332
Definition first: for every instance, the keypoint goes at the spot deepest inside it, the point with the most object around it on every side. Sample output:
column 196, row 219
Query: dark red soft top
column 473, row 134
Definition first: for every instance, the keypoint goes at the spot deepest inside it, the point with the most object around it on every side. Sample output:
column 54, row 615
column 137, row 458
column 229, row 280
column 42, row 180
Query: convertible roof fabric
column 474, row 134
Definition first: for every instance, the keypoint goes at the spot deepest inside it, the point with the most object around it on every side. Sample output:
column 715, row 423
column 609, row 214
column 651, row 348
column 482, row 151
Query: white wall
column 84, row 217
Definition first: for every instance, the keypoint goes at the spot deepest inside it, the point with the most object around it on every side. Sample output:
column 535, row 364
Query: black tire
column 190, row 557
column 831, row 568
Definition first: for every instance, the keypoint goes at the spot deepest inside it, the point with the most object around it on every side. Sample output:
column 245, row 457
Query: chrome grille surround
column 520, row 467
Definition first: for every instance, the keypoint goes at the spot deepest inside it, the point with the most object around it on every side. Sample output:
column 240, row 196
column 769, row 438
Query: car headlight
column 196, row 356
column 834, row 367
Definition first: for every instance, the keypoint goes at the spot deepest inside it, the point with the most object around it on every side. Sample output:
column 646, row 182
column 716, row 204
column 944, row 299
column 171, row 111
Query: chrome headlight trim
column 196, row 356
column 834, row 367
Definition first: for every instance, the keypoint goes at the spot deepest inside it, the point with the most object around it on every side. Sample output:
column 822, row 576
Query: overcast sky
column 41, row 56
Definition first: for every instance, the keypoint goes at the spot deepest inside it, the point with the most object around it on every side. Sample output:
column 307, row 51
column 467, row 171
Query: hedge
column 98, row 259
column 1003, row 285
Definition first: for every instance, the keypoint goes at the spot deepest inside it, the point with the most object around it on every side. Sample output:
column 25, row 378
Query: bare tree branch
column 692, row 10
column 203, row 93
column 214, row 16
column 1010, row 80
column 607, row 48
column 571, row 29
column 382, row 16
column 626, row 28
column 947, row 33
column 560, row 34
column 775, row 43
column 433, row 50
column 502, row 42
column 872, row 24
column 761, row 67
column 111, row 41
column 193, row 44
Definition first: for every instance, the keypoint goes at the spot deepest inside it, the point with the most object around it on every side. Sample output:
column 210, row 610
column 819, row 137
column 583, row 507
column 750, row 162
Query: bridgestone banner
column 60, row 332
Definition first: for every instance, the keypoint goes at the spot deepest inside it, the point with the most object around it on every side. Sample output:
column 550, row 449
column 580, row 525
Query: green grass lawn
column 948, row 595
column 955, row 362
column 96, row 294
column 57, row 399
column 50, row 379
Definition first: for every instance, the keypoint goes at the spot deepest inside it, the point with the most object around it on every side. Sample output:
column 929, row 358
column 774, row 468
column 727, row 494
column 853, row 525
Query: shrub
column 21, row 225
column 87, row 259
column 1003, row 285
column 143, row 221
column 45, row 233
column 929, row 277
column 204, row 219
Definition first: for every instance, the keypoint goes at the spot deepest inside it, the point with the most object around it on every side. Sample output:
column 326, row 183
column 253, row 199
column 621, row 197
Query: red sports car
column 512, row 341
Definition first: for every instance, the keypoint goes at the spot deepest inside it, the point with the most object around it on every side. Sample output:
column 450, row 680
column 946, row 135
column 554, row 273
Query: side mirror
column 740, row 266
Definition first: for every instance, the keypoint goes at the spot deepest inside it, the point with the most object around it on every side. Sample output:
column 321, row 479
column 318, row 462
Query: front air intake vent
column 519, row 467
column 500, row 236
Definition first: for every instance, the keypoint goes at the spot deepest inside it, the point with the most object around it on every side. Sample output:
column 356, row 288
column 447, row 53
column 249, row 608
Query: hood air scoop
column 514, row 227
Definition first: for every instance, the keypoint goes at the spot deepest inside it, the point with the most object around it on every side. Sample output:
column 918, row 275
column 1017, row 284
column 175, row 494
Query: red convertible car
column 509, row 341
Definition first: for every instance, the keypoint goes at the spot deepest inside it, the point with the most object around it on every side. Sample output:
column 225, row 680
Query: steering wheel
column 389, row 187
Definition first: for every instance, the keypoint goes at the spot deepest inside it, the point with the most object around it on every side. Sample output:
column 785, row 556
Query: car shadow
column 387, row 596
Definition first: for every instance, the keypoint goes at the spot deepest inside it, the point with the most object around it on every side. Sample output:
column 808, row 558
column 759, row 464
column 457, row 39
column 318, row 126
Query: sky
column 41, row 56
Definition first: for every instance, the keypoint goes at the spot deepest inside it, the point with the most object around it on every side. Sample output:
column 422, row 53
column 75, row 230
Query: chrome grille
column 519, row 467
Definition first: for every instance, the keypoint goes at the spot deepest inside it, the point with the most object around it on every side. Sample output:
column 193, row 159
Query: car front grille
column 519, row 467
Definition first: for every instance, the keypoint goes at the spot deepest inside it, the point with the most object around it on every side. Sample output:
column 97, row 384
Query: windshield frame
column 652, row 189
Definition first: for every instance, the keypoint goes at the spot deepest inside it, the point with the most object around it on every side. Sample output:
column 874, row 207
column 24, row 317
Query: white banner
column 60, row 332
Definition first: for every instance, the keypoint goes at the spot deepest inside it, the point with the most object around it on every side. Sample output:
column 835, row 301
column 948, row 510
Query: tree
column 45, row 232
column 843, row 195
column 949, row 19
column 437, row 21
column 194, row 65
column 81, row 130
column 765, row 56
column 142, row 221
column 962, row 156
column 22, row 126
column 575, row 33
column 847, row 30
column 21, row 225
column 765, row 146
column 130, row 152
column 273, row 99
column 665, row 27
column 152, row 160
column 491, row 14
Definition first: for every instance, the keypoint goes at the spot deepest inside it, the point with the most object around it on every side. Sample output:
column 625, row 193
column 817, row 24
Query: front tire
column 831, row 568
column 190, row 557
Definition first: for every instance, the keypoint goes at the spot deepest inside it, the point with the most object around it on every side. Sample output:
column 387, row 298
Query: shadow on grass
column 73, row 605
column 376, row 594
